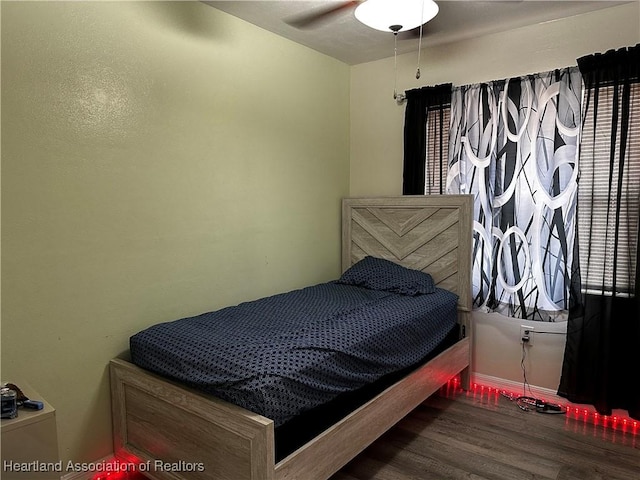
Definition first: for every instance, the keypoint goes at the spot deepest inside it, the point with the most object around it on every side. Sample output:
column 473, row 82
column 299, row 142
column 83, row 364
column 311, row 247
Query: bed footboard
column 182, row 434
column 335, row 447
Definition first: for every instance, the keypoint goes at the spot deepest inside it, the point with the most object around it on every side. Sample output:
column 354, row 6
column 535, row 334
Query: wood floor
column 466, row 436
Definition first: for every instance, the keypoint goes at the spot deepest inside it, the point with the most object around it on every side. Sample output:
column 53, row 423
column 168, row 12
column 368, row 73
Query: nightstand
column 30, row 441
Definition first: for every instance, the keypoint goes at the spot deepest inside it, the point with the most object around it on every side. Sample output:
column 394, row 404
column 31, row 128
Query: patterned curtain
column 513, row 145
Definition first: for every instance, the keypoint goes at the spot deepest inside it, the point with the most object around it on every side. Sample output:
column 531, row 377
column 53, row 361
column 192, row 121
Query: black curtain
column 601, row 362
column 420, row 102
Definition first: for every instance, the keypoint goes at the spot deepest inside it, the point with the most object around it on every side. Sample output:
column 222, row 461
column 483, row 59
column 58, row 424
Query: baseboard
column 517, row 387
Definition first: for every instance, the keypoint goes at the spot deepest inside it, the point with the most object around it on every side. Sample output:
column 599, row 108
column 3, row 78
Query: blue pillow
column 380, row 274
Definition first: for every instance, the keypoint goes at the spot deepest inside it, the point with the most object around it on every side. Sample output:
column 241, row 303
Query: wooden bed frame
column 180, row 433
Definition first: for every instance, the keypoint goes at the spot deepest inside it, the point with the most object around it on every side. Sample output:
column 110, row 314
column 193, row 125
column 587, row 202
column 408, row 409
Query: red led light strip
column 589, row 415
column 112, row 476
column 119, row 469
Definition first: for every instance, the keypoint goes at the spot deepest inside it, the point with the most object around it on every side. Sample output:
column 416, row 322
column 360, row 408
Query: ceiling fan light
column 383, row 14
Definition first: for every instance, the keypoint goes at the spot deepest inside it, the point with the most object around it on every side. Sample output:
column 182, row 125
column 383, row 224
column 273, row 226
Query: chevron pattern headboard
column 431, row 233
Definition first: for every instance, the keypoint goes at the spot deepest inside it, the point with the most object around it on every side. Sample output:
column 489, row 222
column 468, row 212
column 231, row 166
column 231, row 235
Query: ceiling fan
column 385, row 15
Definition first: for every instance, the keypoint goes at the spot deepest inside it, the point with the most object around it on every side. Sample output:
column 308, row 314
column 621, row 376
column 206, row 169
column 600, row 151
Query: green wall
column 159, row 159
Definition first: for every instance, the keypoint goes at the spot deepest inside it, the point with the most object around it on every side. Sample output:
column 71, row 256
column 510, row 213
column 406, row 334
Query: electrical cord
column 525, row 382
column 528, row 403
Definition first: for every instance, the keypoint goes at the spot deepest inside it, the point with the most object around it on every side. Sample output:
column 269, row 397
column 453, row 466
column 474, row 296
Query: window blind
column 437, row 155
column 601, row 225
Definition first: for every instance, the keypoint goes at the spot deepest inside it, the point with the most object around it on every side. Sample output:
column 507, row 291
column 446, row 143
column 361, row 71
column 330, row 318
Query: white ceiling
column 346, row 39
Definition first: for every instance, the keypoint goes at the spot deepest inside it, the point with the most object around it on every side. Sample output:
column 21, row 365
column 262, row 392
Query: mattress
column 286, row 354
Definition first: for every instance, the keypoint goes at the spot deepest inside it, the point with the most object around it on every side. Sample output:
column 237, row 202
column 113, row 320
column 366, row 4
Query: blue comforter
column 282, row 355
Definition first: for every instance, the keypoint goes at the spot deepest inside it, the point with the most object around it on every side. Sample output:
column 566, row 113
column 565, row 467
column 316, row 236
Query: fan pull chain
column 420, row 41
column 395, row 29
column 395, row 65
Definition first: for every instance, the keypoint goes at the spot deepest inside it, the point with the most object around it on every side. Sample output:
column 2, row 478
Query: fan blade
column 310, row 20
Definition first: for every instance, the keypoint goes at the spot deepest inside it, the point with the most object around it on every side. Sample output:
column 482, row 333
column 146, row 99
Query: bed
column 186, row 433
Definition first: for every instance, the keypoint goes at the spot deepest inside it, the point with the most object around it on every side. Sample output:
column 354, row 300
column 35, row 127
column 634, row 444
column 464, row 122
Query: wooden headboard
column 431, row 233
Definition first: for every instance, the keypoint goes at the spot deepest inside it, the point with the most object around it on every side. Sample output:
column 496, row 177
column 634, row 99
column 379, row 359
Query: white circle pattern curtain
column 513, row 145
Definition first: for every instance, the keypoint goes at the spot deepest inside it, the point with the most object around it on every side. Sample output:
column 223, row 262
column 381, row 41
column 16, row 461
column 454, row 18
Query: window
column 604, row 231
column 437, row 139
